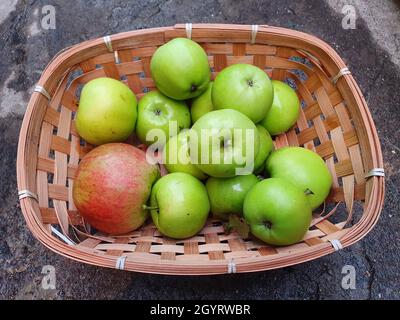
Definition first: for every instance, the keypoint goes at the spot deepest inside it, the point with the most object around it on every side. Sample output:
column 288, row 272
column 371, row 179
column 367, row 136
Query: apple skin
column 202, row 104
column 221, row 124
column 266, row 147
column 303, row 168
column 112, row 183
column 180, row 69
column 179, row 146
column 245, row 88
column 155, row 111
column 284, row 111
column 182, row 203
column 277, row 212
column 227, row 194
column 107, row 111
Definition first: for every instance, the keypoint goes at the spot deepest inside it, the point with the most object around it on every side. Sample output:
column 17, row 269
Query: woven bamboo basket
column 334, row 121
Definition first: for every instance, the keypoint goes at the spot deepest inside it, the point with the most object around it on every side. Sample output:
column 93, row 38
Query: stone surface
column 380, row 18
column 6, row 6
column 27, row 47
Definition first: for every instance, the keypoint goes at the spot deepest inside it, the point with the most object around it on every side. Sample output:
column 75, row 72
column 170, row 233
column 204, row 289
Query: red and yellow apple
column 112, row 184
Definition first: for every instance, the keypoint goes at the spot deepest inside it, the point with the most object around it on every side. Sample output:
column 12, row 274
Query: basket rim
column 373, row 205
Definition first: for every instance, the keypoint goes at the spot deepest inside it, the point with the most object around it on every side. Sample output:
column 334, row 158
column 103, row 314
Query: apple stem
column 308, row 191
column 145, row 207
column 268, row 224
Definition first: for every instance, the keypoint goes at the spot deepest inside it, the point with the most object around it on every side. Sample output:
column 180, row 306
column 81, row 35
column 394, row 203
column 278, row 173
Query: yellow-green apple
column 112, row 183
column 245, row 88
column 226, row 145
column 266, row 146
column 180, row 69
column 177, row 155
column 284, row 110
column 227, row 194
column 157, row 111
column 277, row 211
column 202, row 104
column 107, row 111
column 303, row 168
column 179, row 205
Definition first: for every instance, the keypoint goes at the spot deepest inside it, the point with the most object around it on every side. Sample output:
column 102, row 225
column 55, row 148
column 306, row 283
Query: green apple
column 277, row 211
column 245, row 88
column 226, row 145
column 179, row 205
column 202, row 104
column 180, row 69
column 227, row 194
column 107, row 111
column 266, row 146
column 305, row 169
column 157, row 111
column 284, row 111
column 177, row 157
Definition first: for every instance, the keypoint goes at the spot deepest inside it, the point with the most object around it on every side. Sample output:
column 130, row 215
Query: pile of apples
column 171, row 172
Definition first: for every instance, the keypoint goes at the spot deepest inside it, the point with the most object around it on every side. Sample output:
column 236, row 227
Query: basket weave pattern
column 334, row 122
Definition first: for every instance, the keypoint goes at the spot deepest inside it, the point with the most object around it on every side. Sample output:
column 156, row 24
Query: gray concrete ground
column 371, row 52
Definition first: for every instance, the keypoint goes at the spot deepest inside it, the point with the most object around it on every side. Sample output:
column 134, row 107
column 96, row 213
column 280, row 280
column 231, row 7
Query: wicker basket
column 334, row 121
